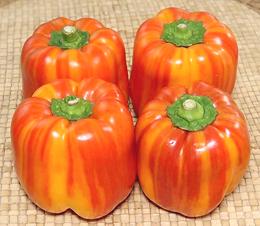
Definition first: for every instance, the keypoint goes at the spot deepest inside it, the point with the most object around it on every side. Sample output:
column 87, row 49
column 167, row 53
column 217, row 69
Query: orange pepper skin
column 88, row 165
column 103, row 57
column 157, row 64
column 191, row 172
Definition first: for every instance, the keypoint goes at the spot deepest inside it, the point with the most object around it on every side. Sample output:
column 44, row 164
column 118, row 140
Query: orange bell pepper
column 62, row 48
column 69, row 148
column 178, row 47
column 193, row 148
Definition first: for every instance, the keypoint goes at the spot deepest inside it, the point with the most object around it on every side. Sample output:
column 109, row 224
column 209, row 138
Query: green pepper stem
column 182, row 26
column 189, row 104
column 183, row 32
column 73, row 101
column 192, row 113
column 69, row 38
column 191, row 110
column 71, row 108
column 70, row 34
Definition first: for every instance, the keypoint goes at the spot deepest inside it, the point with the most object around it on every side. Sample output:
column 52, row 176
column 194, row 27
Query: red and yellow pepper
column 193, row 148
column 178, row 47
column 62, row 48
column 69, row 148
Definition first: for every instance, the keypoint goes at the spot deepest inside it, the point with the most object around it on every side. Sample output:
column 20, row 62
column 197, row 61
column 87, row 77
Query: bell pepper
column 193, row 148
column 62, row 48
column 69, row 149
column 179, row 47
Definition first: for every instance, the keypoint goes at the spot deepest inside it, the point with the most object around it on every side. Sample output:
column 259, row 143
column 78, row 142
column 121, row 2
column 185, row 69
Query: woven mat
column 18, row 20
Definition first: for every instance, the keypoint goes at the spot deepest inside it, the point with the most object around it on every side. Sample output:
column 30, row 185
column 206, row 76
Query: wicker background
column 253, row 4
column 18, row 20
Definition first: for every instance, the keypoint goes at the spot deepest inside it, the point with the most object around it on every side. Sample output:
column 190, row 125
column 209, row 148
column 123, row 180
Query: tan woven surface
column 253, row 4
column 18, row 20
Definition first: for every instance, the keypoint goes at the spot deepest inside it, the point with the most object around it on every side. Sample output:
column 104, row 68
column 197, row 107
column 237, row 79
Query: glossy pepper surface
column 193, row 148
column 179, row 47
column 69, row 148
column 63, row 48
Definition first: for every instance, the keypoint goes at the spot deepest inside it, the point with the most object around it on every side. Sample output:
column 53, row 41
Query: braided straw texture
column 18, row 20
